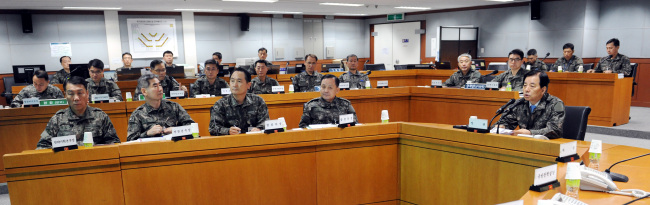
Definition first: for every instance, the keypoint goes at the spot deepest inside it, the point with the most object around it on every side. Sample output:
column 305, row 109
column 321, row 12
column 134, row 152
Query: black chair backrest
column 634, row 68
column 575, row 122
column 587, row 66
column 9, row 82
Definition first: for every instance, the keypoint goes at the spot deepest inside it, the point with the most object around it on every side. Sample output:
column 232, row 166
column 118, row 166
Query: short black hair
column 260, row 61
column 42, row 74
column 531, row 52
column 262, row 49
column 218, row 54
column 210, row 61
column 336, row 80
column 75, row 80
column 543, row 78
column 166, row 52
column 517, row 52
column 61, row 59
column 246, row 73
column 154, row 63
column 350, row 56
column 615, row 41
column 126, row 53
column 96, row 63
column 311, row 55
column 568, row 45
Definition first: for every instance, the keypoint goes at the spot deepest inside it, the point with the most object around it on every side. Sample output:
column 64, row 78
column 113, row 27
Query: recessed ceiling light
column 262, row 1
column 340, row 4
column 92, row 8
column 413, row 8
column 347, row 14
column 283, row 12
column 205, row 10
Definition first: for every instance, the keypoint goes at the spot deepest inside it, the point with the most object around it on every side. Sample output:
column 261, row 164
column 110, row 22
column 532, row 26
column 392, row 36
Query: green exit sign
column 395, row 17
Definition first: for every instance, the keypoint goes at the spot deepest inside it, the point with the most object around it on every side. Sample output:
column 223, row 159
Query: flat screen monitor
column 176, row 72
column 327, row 67
column 126, row 74
column 80, row 70
column 300, row 68
column 443, row 65
column 25, row 73
column 225, row 70
column 419, row 66
column 374, row 67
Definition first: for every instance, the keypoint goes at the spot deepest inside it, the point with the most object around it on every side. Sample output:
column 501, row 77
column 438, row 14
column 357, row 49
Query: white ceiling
column 308, row 7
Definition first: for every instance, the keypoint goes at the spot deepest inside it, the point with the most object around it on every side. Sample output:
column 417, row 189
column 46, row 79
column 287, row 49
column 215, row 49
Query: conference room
column 409, row 145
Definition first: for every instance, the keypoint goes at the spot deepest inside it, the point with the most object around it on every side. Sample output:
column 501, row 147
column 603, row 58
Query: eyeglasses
column 96, row 72
column 514, row 59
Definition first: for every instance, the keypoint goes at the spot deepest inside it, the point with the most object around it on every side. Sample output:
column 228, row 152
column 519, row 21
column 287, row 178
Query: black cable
column 646, row 196
column 607, row 170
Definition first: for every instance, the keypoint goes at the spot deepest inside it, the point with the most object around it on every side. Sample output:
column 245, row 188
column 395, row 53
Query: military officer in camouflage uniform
column 538, row 113
column 327, row 108
column 167, row 83
column 535, row 64
column 40, row 89
column 239, row 111
column 210, row 83
column 127, row 59
column 305, row 81
column 78, row 118
column 464, row 74
column 569, row 62
column 614, row 62
column 97, row 84
column 62, row 75
column 156, row 116
column 262, row 84
column 515, row 75
column 353, row 76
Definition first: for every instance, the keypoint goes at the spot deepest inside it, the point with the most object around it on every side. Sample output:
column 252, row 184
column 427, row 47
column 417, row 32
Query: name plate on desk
column 621, row 75
column 481, row 124
column 382, row 84
column 346, row 119
column 475, row 86
column 273, row 126
column 182, row 133
column 64, row 143
column 99, row 97
column 277, row 89
column 177, row 94
column 53, row 102
column 492, row 85
column 225, row 91
column 545, row 175
column 436, row 83
column 30, row 101
column 568, row 152
column 344, row 86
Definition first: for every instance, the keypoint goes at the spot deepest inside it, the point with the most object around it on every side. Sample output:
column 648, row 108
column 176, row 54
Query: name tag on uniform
column 99, row 97
column 382, row 84
column 492, row 85
column 176, row 93
column 436, row 83
column 30, row 101
column 346, row 119
column 344, row 85
column 225, row 91
column 277, row 89
column 64, row 141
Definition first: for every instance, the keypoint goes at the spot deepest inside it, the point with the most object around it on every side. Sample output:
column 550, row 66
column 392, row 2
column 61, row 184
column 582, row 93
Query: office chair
column 575, row 122
column 587, row 66
column 9, row 82
column 634, row 68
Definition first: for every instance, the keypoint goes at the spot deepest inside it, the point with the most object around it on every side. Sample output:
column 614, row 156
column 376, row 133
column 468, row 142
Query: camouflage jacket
column 319, row 111
column 546, row 119
column 516, row 81
column 356, row 80
column 169, row 114
column 537, row 65
column 202, row 86
column 104, row 87
column 60, row 77
column 304, row 82
column 570, row 65
column 52, row 92
column 259, row 87
column 620, row 64
column 458, row 79
column 168, row 84
column 65, row 122
column 227, row 113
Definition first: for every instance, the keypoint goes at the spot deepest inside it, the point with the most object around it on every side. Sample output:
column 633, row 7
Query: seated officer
column 569, row 62
column 614, row 62
column 40, row 88
column 327, row 108
column 464, row 74
column 167, row 83
column 262, row 84
column 353, row 76
column 210, row 83
column 156, row 116
column 97, row 84
column 239, row 111
column 515, row 75
column 62, row 75
column 307, row 80
column 535, row 64
column 538, row 113
column 78, row 118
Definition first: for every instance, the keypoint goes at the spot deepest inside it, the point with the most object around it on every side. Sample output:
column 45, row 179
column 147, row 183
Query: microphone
column 469, row 52
column 489, row 74
column 500, row 110
column 367, row 61
column 506, row 110
column 620, row 177
column 547, row 54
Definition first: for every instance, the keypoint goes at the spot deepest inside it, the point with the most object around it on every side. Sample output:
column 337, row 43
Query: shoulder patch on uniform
column 559, row 107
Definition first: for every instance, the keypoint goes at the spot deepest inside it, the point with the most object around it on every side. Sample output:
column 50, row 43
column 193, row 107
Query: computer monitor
column 224, row 70
column 419, row 66
column 80, row 70
column 374, row 67
column 443, row 65
column 176, row 72
column 300, row 68
column 478, row 64
column 327, row 67
column 126, row 74
column 401, row 67
column 25, row 73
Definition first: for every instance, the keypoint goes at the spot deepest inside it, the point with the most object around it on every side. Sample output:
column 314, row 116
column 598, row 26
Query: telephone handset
column 561, row 199
column 594, row 180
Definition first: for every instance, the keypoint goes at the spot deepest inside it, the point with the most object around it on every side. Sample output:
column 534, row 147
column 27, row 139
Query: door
column 384, row 45
column 397, row 44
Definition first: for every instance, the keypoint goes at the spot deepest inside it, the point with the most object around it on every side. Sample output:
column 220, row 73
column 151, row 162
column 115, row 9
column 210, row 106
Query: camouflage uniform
column 65, row 122
column 52, row 92
column 304, row 82
column 168, row 84
column 227, row 113
column 259, row 87
column 458, row 79
column 356, row 80
column 538, row 64
column 319, row 111
column 104, row 87
column 620, row 64
column 546, row 119
column 169, row 114
column 202, row 86
column 570, row 65
column 60, row 77
column 516, row 81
